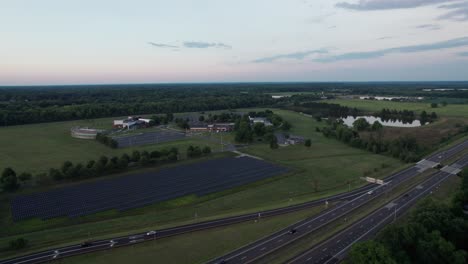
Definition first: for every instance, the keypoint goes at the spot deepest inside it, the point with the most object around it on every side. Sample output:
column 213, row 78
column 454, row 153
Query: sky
column 159, row 41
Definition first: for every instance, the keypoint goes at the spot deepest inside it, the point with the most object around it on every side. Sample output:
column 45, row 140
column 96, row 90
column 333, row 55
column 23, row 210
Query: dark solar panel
column 143, row 189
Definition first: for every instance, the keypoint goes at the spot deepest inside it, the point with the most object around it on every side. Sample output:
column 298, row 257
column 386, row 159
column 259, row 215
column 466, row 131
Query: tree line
column 403, row 148
column 11, row 181
column 321, row 110
column 435, row 232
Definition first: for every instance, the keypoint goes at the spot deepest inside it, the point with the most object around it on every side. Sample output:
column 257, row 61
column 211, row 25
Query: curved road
column 62, row 252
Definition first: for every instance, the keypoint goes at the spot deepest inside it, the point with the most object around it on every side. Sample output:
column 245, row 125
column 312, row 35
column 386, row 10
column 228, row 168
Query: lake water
column 390, row 123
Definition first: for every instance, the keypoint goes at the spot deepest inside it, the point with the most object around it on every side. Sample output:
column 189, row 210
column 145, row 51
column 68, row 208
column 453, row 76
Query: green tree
column 136, row 156
column 308, row 143
column 103, row 160
column 424, row 117
column 434, row 105
column 274, row 143
column 435, row 249
column 377, row 126
column 206, row 150
column 286, row 126
column 361, row 124
column 370, row 252
column 9, row 181
column 55, row 174
column 259, row 129
column 18, row 243
column 24, row 177
column 244, row 133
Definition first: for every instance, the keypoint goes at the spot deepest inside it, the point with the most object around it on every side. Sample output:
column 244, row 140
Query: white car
column 151, row 233
column 370, row 192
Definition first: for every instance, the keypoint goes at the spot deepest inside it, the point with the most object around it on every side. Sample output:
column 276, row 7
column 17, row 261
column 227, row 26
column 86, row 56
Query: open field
column 315, row 174
column 198, row 247
column 38, row 147
column 317, row 165
column 428, row 136
column 451, row 110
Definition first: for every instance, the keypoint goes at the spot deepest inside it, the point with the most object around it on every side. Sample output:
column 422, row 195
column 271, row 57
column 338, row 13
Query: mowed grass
column 451, row 110
column 38, row 147
column 328, row 165
column 196, row 247
column 319, row 171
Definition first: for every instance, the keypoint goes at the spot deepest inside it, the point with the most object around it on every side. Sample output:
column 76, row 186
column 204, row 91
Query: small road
column 334, row 249
column 355, row 195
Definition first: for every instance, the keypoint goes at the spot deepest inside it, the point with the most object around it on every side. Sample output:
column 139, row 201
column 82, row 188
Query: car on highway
column 293, row 231
column 370, row 192
column 86, row 244
column 151, row 233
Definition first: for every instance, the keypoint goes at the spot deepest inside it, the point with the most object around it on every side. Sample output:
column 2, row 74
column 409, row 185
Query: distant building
column 219, row 127
column 132, row 123
column 263, row 120
column 84, row 132
column 284, row 140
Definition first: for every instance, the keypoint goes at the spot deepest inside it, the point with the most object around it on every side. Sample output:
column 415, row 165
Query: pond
column 390, row 122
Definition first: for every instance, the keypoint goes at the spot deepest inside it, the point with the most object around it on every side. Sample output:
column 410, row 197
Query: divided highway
column 357, row 197
column 335, row 248
column 271, row 243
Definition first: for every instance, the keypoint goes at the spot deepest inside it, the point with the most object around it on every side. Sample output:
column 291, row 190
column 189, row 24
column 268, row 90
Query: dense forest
column 435, row 232
column 25, row 105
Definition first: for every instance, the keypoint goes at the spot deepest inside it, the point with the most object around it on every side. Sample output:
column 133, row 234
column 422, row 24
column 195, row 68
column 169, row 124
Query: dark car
column 86, row 244
column 292, row 231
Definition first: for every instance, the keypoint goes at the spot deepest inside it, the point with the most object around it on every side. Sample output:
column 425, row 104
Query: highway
column 335, row 248
column 271, row 243
column 357, row 198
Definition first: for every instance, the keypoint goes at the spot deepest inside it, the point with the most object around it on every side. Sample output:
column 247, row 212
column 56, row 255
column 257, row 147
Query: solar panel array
column 148, row 138
column 138, row 190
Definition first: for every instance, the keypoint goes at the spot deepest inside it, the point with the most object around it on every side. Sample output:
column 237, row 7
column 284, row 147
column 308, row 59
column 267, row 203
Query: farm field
column 451, row 110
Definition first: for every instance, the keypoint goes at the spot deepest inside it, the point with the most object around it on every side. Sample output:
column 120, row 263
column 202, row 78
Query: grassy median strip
column 314, row 238
column 196, row 247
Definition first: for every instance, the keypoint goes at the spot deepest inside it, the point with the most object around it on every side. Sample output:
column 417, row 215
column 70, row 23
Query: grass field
column 197, row 247
column 451, row 110
column 322, row 170
column 38, row 147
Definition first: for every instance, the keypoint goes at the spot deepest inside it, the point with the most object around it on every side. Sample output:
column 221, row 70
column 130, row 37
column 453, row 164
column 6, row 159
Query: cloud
column 453, row 43
column 429, row 27
column 459, row 11
column 383, row 38
column 463, row 54
column 160, row 45
column 204, row 45
column 367, row 5
column 296, row 56
column 321, row 18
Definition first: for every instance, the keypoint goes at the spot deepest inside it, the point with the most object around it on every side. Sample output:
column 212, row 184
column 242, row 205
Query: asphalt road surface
column 357, row 196
column 335, row 248
column 271, row 243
